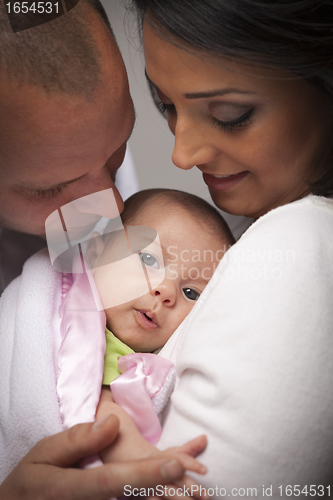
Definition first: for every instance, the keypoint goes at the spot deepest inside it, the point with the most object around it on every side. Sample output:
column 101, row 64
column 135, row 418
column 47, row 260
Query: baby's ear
column 95, row 248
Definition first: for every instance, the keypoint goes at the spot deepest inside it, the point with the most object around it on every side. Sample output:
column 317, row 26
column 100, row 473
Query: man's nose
column 166, row 293
column 191, row 146
column 100, row 180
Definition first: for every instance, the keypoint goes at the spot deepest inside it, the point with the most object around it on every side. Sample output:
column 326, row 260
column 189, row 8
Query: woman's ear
column 95, row 248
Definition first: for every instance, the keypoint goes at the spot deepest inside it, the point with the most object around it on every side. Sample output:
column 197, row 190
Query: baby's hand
column 186, row 486
column 130, row 445
column 185, row 454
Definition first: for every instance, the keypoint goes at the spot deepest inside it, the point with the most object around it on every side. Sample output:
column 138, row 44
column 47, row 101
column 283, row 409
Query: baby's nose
column 166, row 293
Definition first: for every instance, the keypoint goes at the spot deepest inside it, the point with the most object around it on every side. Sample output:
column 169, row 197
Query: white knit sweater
column 255, row 358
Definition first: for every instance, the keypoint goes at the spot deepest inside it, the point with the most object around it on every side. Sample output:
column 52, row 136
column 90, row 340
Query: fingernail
column 203, row 469
column 99, row 423
column 172, row 470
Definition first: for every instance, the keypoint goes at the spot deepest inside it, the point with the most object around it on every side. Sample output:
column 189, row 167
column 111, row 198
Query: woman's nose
column 191, row 147
column 166, row 293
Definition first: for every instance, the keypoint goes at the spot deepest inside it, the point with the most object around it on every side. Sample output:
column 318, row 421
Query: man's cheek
column 115, row 161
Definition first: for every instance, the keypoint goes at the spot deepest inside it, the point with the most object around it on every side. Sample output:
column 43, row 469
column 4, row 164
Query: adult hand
column 47, row 472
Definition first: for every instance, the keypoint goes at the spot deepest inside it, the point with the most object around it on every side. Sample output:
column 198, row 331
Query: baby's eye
column 191, row 294
column 149, row 260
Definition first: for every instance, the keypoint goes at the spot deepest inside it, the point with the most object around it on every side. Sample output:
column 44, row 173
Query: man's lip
column 223, row 182
column 141, row 317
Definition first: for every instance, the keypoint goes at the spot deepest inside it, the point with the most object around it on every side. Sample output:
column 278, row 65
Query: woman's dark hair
column 293, row 35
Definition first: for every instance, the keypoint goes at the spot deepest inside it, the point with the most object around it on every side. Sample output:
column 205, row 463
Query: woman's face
column 258, row 135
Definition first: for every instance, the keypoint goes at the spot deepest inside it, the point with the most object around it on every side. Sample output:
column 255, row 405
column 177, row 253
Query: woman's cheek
column 172, row 120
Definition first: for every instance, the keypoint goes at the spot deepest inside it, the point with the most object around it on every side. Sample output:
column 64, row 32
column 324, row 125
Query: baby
column 51, row 317
column 193, row 237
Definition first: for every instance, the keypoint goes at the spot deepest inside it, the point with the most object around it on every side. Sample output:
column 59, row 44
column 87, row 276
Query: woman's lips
column 225, row 182
column 142, row 319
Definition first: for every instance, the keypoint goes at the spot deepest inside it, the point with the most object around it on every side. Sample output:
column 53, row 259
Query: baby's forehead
column 131, row 238
column 157, row 212
column 198, row 252
column 158, row 207
column 183, row 228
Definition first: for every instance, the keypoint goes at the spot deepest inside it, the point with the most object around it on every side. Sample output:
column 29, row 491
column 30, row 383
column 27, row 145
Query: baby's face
column 191, row 254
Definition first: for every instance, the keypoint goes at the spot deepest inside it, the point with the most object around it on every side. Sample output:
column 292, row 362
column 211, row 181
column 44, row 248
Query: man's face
column 55, row 148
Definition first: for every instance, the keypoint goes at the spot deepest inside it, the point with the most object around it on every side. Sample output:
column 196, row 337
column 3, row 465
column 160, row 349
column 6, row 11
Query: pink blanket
column 51, row 368
column 143, row 388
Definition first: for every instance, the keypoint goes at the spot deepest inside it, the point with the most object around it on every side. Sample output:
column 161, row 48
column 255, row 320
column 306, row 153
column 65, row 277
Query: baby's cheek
column 182, row 314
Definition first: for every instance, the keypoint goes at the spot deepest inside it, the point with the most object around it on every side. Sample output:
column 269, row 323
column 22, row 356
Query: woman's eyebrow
column 211, row 93
column 218, row 92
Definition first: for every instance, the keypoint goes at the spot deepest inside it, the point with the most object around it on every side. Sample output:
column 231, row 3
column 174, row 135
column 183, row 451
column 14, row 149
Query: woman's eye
column 191, row 294
column 237, row 123
column 165, row 108
column 149, row 260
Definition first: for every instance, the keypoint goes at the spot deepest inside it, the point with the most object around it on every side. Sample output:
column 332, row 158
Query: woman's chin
column 234, row 205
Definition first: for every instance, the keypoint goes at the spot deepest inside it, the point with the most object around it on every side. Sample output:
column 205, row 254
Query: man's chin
column 18, row 228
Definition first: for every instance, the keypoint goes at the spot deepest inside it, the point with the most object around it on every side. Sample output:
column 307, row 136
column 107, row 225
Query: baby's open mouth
column 146, row 319
column 150, row 317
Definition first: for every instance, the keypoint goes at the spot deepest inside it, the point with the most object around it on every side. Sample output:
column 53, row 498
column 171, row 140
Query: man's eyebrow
column 211, row 93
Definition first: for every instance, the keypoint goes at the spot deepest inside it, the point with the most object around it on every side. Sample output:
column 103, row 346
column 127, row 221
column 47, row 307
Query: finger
column 190, row 463
column 193, row 487
column 114, row 479
column 146, row 473
column 68, row 447
column 195, row 446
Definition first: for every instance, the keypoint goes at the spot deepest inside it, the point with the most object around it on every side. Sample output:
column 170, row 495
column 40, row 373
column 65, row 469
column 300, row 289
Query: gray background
column 151, row 143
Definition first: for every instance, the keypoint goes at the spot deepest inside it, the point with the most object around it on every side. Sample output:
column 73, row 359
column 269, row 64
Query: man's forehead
column 32, row 115
column 41, row 134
